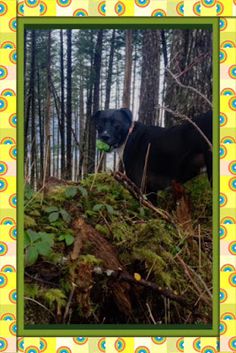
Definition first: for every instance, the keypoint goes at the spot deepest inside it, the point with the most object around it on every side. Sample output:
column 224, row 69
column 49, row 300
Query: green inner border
column 115, row 330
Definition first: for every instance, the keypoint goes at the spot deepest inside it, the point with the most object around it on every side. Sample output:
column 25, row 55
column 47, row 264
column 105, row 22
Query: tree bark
column 62, row 125
column 128, row 69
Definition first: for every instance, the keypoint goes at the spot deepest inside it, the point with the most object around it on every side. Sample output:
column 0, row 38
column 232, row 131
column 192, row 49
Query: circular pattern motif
column 119, row 8
column 3, row 248
column 8, row 221
column 227, row 139
column 142, row 349
column 80, row 340
column 228, row 92
column 228, row 220
column 222, row 56
column 80, row 13
column 120, row 344
column 42, row 8
column 13, row 120
column 13, row 233
column 13, row 329
column 3, row 184
column 42, row 344
column 232, row 343
column 8, row 317
column 222, row 200
column 32, row 349
column 3, row 168
column 13, row 24
column 223, row 295
column 208, row 3
column 197, row 344
column 232, row 71
column 13, row 296
column 208, row 349
column 158, row 340
column 21, row 8
column 232, row 247
column 32, row 3
column 8, row 141
column 142, row 3
column 223, row 24
column 3, row 73
column 64, row 349
column 3, row 280
column 180, row 344
column 64, row 3
column 222, row 232
column 232, row 184
column 223, row 151
column 8, row 269
column 102, row 344
column 223, row 119
column 13, row 56
column 219, row 8
column 232, row 167
column 227, row 268
column 232, row 279
column 7, row 44
column 102, row 8
column 13, row 200
column 158, row 13
column 222, row 327
column 13, row 152
column 232, row 103
column 228, row 316
column 20, row 344
column 3, row 8
column 8, row 92
column 180, row 8
column 3, row 344
column 228, row 44
column 197, row 8
column 3, row 103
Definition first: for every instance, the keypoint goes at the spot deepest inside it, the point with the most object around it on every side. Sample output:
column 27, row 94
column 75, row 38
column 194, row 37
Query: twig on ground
column 43, row 306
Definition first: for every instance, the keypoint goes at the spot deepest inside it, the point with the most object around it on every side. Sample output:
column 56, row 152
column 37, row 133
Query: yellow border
column 8, row 16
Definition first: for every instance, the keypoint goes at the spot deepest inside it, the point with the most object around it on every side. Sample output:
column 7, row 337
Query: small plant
column 55, row 213
column 67, row 238
column 37, row 243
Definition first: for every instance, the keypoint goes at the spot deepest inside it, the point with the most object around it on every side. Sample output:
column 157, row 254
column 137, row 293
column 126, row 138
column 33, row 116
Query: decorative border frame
column 8, row 23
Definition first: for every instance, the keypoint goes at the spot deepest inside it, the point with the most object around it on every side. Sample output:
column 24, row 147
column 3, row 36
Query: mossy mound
column 118, row 234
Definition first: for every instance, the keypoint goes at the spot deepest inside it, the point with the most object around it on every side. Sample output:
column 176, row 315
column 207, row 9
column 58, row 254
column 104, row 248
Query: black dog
column 171, row 154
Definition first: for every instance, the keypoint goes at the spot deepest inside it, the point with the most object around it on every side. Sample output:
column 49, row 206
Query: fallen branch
column 134, row 190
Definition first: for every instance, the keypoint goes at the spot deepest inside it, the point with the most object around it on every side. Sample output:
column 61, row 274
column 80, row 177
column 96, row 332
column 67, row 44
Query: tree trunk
column 92, row 130
column 69, row 107
column 47, row 155
column 149, row 90
column 33, row 110
column 109, row 72
column 128, row 69
column 62, row 125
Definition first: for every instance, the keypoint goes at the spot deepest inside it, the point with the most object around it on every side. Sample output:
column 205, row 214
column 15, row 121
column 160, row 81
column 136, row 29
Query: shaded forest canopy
column 92, row 245
column 70, row 74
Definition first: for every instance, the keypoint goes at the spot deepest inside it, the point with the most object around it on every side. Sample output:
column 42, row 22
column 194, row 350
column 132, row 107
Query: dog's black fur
column 177, row 153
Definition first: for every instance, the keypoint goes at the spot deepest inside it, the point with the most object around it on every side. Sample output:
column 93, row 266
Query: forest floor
column 96, row 254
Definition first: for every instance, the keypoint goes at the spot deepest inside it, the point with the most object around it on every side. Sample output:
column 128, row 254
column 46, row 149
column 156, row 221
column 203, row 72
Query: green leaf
column 34, row 236
column 61, row 237
column 110, row 209
column 31, row 255
column 65, row 215
column 69, row 239
column 98, row 207
column 71, row 191
column 27, row 240
column 29, row 192
column 51, row 209
column 53, row 217
column 83, row 191
column 44, row 248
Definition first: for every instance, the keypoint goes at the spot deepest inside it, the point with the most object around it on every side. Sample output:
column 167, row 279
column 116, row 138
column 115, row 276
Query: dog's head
column 113, row 125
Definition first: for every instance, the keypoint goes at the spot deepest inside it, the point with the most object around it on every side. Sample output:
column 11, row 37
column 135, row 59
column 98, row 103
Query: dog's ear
column 95, row 116
column 127, row 113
